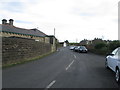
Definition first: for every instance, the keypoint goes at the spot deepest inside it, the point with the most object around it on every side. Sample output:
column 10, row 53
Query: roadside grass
column 26, row 60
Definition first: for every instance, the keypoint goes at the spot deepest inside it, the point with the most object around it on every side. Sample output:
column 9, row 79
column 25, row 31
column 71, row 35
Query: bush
column 104, row 48
column 100, row 45
column 103, row 51
column 114, row 44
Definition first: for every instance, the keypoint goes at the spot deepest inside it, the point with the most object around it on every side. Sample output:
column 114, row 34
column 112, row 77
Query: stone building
column 19, row 45
column 9, row 30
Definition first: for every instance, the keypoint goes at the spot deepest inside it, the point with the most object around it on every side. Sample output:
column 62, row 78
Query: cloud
column 87, row 14
column 72, row 18
column 20, row 21
column 12, row 6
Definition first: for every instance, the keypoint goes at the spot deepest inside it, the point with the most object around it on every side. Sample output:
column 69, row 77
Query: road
column 63, row 69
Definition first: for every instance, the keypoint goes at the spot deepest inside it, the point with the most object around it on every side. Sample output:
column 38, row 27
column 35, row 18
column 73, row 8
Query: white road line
column 51, row 84
column 74, row 56
column 69, row 65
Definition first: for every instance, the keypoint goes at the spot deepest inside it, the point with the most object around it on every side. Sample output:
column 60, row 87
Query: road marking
column 69, row 65
column 74, row 56
column 51, row 84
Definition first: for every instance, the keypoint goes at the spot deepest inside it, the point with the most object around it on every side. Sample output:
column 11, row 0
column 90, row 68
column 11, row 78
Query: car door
column 118, row 61
column 114, row 61
column 111, row 59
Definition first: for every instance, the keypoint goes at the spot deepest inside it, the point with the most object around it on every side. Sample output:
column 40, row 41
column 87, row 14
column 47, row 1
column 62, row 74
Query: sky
column 73, row 20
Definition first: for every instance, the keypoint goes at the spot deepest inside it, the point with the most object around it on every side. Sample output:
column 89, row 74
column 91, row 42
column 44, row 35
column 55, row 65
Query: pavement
column 63, row 69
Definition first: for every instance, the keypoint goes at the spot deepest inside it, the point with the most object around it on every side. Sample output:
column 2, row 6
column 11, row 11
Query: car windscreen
column 82, row 47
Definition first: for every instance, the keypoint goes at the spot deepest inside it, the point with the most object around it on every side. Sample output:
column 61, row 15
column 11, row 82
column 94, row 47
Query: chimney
column 11, row 22
column 4, row 21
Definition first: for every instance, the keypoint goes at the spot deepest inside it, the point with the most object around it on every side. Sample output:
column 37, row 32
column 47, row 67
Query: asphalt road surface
column 63, row 69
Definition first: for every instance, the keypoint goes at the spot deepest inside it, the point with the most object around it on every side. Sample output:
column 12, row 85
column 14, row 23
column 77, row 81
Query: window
column 31, row 37
column 51, row 40
column 117, row 55
column 114, row 52
column 118, row 52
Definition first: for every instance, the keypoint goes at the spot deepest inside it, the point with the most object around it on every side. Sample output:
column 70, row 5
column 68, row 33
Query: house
column 9, row 30
column 54, row 41
column 61, row 44
column 65, row 44
column 85, row 42
column 19, row 44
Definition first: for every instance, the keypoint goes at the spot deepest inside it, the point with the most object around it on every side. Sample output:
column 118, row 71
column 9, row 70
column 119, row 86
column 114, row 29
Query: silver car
column 72, row 47
column 83, row 49
column 113, row 62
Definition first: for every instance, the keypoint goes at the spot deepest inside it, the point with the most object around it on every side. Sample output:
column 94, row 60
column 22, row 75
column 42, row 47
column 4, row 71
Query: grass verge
column 26, row 60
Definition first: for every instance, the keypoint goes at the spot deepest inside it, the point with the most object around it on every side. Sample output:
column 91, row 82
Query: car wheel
column 117, row 76
column 106, row 64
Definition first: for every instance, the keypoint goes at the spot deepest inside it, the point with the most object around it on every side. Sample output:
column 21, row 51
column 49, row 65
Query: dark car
column 82, row 49
column 76, row 48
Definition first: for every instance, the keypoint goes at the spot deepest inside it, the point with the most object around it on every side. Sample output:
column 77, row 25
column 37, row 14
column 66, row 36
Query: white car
column 113, row 62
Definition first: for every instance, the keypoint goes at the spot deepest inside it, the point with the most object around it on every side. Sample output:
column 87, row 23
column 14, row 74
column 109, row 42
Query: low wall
column 18, row 49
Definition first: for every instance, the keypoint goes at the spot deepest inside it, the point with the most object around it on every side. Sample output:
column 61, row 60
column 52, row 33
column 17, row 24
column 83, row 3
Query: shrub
column 100, row 45
column 114, row 44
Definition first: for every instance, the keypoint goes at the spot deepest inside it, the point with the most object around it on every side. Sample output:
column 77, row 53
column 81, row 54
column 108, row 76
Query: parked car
column 76, row 49
column 72, row 47
column 82, row 49
column 113, row 62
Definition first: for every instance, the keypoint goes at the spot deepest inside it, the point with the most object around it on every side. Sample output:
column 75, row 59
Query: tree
column 67, row 41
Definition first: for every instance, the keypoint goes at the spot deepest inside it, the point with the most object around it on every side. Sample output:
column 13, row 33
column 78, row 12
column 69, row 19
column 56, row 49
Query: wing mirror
column 110, row 54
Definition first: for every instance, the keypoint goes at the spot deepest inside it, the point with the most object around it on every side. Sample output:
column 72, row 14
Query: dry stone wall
column 17, row 49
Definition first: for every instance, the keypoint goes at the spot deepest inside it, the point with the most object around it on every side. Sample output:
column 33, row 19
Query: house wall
column 47, row 40
column 19, row 49
column 54, row 45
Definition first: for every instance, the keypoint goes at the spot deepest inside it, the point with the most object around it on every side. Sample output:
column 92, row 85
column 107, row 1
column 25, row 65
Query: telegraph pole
column 54, row 31
column 76, row 40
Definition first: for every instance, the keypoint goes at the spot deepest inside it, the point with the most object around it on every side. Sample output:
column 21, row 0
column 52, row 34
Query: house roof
column 16, row 30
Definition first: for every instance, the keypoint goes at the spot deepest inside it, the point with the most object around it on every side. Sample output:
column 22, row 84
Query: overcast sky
column 73, row 20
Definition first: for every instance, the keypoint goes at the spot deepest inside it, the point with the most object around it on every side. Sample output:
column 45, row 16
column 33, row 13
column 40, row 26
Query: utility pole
column 54, row 31
column 76, row 40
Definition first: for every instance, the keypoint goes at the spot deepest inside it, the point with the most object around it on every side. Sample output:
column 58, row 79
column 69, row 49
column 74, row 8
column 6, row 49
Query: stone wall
column 18, row 49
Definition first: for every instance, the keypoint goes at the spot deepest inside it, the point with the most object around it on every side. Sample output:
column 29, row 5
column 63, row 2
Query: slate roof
column 16, row 30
